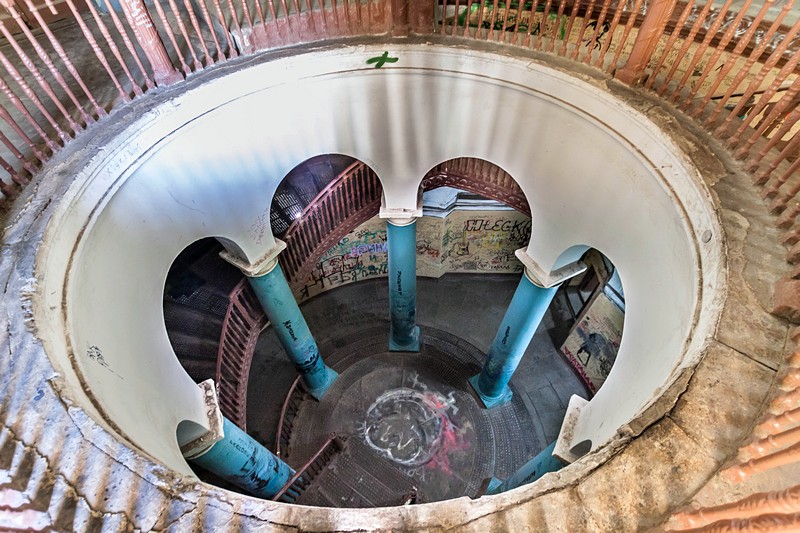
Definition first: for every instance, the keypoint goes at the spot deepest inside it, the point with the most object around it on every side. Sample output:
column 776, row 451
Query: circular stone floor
column 411, row 421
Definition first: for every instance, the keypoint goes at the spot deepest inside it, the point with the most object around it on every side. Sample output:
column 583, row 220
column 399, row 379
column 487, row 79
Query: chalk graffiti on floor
column 414, row 428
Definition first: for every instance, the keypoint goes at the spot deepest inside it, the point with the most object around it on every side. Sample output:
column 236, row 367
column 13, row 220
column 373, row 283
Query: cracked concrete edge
column 200, row 500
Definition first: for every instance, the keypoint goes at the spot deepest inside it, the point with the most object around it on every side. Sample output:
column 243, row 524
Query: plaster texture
column 125, row 476
column 122, row 211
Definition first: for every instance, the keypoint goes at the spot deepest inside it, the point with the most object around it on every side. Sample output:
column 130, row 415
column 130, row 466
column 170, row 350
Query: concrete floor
column 467, row 306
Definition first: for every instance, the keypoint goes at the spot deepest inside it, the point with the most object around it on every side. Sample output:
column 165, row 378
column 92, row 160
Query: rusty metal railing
column 347, row 201
column 286, row 421
column 304, row 477
column 241, row 327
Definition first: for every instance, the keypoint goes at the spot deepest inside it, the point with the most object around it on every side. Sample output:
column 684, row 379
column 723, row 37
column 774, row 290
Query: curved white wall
column 595, row 173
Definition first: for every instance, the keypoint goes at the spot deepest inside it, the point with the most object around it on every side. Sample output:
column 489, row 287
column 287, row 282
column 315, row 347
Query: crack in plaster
column 166, row 483
column 77, row 494
column 751, row 358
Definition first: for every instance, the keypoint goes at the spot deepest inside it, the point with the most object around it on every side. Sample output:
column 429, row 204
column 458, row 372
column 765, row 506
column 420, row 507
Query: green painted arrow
column 381, row 60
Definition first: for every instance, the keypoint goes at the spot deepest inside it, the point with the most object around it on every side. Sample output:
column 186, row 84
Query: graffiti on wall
column 464, row 241
column 484, row 241
column 593, row 343
column 360, row 255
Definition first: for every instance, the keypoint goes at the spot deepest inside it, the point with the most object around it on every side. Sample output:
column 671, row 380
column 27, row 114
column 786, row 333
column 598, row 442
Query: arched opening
column 409, row 421
column 588, row 314
column 196, row 300
column 316, row 205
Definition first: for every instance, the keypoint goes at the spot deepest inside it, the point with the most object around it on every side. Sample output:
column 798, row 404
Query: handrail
column 244, row 321
column 305, row 475
column 774, row 443
column 350, row 199
column 284, row 429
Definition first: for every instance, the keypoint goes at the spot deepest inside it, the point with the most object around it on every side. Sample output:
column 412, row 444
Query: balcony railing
column 775, row 443
column 684, row 52
column 735, row 72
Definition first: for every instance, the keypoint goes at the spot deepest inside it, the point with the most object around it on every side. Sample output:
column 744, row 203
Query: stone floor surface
column 351, row 325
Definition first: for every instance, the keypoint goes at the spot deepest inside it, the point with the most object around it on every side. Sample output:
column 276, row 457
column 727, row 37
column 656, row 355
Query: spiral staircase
column 735, row 113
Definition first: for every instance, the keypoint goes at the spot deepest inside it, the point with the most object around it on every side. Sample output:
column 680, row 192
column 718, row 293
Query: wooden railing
column 775, row 443
column 243, row 323
column 350, row 199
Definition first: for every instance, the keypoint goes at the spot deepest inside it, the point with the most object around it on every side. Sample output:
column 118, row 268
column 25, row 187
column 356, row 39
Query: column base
column 495, row 486
column 319, row 392
column 488, row 401
column 412, row 346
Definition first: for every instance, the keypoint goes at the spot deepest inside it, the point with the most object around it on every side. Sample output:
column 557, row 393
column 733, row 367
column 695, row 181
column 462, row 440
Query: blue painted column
column 402, row 245
column 540, row 465
column 279, row 304
column 238, row 458
column 516, row 331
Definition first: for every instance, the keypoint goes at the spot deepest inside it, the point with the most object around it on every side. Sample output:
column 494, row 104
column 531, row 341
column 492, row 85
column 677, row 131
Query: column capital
column 400, row 216
column 202, row 443
column 564, row 445
column 261, row 266
column 540, row 277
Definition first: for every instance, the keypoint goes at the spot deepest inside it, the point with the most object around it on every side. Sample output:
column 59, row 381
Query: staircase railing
column 289, row 411
column 243, row 323
column 346, row 202
column 305, row 476
column 480, row 177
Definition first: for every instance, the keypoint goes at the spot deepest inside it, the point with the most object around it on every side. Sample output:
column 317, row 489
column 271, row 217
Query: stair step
column 200, row 370
column 203, row 299
column 181, row 318
column 358, row 477
column 220, row 276
column 189, row 347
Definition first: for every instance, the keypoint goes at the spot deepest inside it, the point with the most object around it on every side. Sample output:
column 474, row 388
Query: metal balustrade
column 734, row 72
column 291, row 405
column 243, row 323
column 305, row 475
column 347, row 201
